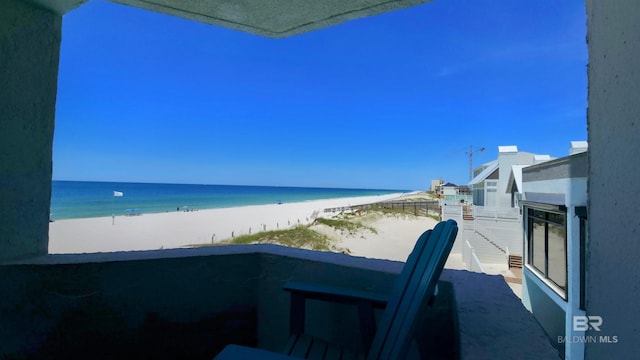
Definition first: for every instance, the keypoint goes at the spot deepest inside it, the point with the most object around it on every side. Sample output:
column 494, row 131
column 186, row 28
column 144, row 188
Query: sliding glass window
column 547, row 245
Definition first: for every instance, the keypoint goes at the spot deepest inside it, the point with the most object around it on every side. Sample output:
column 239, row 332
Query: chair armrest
column 365, row 302
column 236, row 352
column 336, row 294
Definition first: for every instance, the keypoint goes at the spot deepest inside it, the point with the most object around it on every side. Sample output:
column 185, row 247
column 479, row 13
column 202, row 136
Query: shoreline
column 164, row 198
column 165, row 230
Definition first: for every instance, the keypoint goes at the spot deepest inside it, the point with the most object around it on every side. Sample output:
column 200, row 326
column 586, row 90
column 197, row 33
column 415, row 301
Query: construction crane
column 470, row 153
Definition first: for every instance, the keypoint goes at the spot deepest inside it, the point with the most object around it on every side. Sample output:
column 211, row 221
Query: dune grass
column 303, row 236
column 342, row 224
column 300, row 237
column 398, row 211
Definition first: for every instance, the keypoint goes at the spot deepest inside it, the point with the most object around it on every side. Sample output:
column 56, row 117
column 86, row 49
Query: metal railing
column 496, row 213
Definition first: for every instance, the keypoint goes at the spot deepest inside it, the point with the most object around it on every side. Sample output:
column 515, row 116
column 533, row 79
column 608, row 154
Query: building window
column 491, row 194
column 478, row 194
column 547, row 245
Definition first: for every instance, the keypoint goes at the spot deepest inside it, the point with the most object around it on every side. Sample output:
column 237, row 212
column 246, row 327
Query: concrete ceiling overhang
column 58, row 6
column 271, row 18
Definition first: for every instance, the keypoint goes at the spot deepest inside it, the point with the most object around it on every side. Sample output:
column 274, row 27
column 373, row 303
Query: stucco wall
column 550, row 316
column 29, row 53
column 573, row 190
column 613, row 249
column 40, row 300
column 573, row 166
column 125, row 290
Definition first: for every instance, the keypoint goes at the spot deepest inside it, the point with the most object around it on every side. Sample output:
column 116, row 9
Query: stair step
column 515, row 261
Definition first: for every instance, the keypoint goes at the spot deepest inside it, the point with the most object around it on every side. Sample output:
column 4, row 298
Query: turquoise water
column 82, row 199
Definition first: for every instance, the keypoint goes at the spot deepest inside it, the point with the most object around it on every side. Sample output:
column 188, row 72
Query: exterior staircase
column 486, row 252
column 515, row 261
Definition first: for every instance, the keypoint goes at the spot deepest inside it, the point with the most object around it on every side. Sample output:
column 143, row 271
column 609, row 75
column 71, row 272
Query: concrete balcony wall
column 117, row 292
column 123, row 290
column 184, row 285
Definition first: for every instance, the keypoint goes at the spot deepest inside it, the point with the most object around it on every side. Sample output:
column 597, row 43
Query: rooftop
column 507, row 149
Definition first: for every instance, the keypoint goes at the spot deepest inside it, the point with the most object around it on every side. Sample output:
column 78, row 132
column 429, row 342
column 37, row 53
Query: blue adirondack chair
column 391, row 339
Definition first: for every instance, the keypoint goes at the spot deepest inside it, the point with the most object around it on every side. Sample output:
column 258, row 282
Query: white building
column 449, row 189
column 435, row 184
column 493, row 179
column 554, row 203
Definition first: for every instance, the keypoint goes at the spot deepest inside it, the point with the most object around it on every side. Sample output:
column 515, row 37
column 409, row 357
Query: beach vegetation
column 399, row 211
column 300, row 237
column 343, row 225
column 346, row 215
column 419, row 198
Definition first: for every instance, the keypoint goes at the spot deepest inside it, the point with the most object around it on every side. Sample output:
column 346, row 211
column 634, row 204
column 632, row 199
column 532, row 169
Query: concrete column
column 29, row 55
column 613, row 249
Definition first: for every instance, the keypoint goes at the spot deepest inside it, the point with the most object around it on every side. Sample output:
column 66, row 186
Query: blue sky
column 390, row 101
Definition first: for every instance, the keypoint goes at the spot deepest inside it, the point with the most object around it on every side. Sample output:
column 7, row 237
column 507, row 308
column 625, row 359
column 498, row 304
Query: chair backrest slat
column 414, row 286
column 405, row 327
column 400, row 287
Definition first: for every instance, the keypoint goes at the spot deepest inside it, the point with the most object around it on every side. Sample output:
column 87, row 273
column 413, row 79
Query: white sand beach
column 393, row 239
column 179, row 229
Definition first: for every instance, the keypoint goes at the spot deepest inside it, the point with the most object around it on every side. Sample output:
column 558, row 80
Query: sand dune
column 393, row 239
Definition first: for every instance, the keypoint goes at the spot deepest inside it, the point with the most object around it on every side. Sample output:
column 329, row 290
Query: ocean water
column 82, row 199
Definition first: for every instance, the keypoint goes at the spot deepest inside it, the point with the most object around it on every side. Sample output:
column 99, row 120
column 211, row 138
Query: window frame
column 528, row 218
column 491, row 193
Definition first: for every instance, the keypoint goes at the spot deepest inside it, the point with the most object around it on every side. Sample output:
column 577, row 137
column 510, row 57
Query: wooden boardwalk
column 417, row 208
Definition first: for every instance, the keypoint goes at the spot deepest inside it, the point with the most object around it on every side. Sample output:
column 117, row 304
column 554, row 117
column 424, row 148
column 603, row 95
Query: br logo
column 584, row 323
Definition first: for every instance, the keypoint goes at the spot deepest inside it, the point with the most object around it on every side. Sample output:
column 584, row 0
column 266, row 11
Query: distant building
column 435, row 184
column 452, row 193
column 492, row 179
column 448, row 189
